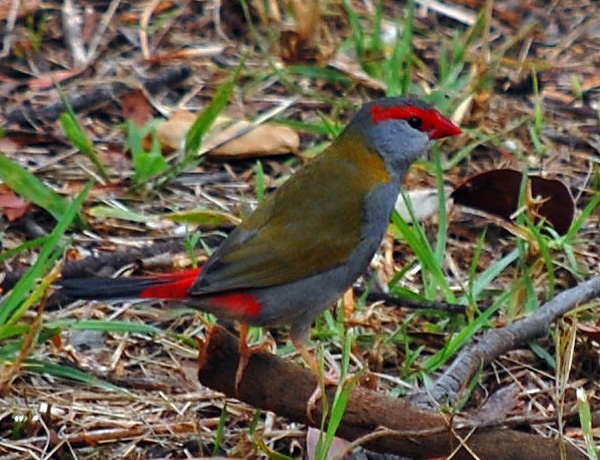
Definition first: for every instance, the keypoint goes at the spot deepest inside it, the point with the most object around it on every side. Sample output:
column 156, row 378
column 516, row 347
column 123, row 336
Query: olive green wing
column 298, row 231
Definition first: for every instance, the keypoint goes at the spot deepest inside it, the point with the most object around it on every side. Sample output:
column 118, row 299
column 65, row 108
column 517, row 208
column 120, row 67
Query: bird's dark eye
column 415, row 122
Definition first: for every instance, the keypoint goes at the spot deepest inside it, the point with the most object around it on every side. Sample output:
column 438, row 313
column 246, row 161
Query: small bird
column 307, row 242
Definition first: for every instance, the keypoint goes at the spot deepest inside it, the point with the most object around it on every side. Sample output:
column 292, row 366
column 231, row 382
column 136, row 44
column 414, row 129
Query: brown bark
column 275, row 384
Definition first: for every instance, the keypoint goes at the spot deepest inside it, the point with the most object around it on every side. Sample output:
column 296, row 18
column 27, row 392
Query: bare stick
column 496, row 342
column 275, row 384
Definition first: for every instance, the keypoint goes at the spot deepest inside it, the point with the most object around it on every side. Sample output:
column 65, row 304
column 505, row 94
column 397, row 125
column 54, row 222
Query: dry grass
column 142, row 399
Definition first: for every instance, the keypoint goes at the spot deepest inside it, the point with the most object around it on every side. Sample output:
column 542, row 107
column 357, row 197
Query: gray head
column 401, row 129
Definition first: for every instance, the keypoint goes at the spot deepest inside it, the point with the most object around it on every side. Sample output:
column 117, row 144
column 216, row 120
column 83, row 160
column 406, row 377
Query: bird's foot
column 324, row 379
column 327, row 379
column 246, row 351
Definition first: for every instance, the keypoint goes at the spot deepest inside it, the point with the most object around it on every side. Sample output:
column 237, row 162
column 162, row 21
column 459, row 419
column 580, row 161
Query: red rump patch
column 177, row 285
column 171, row 285
column 237, row 302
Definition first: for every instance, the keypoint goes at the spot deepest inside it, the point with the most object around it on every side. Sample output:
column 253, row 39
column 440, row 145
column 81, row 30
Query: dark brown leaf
column 497, row 192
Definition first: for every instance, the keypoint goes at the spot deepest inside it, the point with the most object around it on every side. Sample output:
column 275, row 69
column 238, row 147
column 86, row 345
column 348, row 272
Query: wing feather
column 287, row 238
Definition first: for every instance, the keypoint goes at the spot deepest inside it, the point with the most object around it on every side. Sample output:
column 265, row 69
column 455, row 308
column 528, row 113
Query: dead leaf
column 498, row 406
column 136, row 108
column 307, row 15
column 267, row 11
column 261, row 140
column 13, row 205
column 590, row 330
column 338, row 445
column 308, row 38
column 265, row 139
column 204, row 51
column 172, row 132
column 497, row 192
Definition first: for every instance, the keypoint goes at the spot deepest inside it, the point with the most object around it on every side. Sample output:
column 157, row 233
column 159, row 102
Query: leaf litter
column 141, row 399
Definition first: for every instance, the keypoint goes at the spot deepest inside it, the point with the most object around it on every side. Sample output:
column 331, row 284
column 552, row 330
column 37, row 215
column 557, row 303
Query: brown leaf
column 590, row 330
column 265, row 139
column 13, row 205
column 137, row 108
column 338, row 445
column 172, row 132
column 307, row 15
column 498, row 406
column 497, row 192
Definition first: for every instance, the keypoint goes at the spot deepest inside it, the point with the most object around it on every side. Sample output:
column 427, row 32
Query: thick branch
column 277, row 385
column 496, row 342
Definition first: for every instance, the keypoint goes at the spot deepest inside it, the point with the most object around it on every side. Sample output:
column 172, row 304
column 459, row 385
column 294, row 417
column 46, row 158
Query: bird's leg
column 328, row 378
column 245, row 353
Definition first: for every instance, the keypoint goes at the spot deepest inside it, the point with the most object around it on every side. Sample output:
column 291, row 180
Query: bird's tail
column 168, row 286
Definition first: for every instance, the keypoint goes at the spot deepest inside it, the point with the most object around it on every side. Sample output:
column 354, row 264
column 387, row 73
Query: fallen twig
column 499, row 341
column 275, row 384
column 92, row 98
column 416, row 304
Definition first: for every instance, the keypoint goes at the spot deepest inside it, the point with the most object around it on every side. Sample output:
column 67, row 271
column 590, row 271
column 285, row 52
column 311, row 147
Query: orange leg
column 328, row 378
column 245, row 354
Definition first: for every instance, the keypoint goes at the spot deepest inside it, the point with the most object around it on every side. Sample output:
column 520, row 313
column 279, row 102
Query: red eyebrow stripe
column 433, row 122
column 403, row 112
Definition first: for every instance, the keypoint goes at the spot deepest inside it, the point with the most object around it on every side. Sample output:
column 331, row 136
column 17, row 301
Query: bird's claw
column 330, row 378
column 246, row 352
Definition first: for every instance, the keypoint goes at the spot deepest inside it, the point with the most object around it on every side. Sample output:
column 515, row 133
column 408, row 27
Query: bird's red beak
column 443, row 127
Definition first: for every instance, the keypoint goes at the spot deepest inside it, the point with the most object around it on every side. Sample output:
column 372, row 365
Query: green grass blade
column 77, row 135
column 208, row 116
column 259, row 181
column 356, row 28
column 442, row 233
column 321, row 73
column 51, row 251
column 220, row 432
column 407, row 38
column 492, row 272
column 416, row 239
column 461, row 338
column 105, row 325
column 585, row 418
column 575, row 226
column 317, row 128
column 9, row 351
column 146, row 163
column 340, row 400
column 30, row 187
column 9, row 253
column 58, row 370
